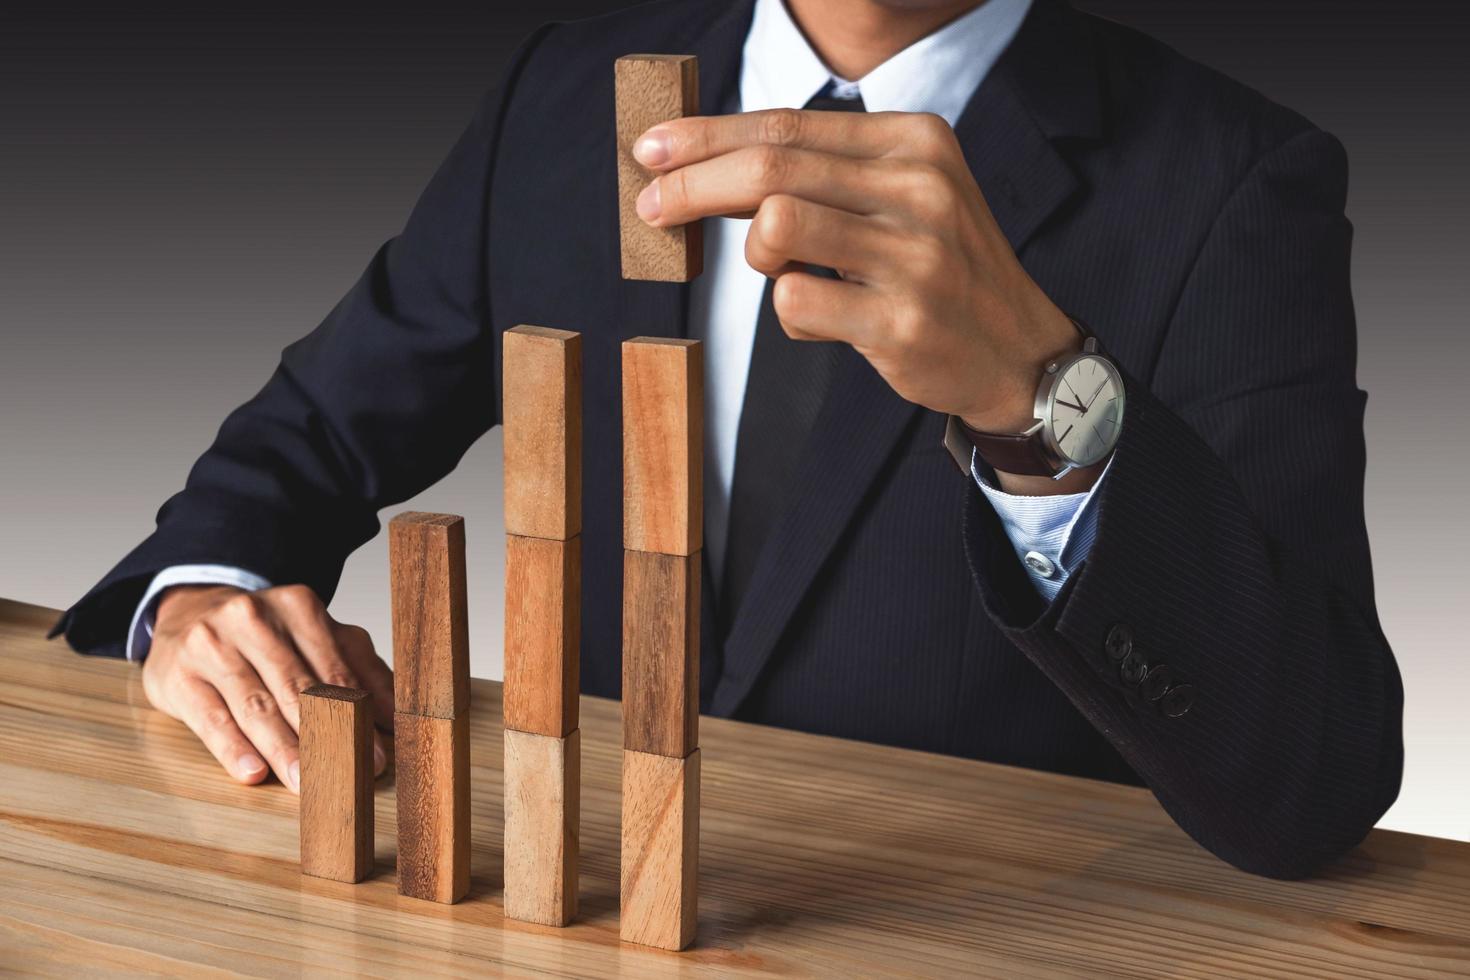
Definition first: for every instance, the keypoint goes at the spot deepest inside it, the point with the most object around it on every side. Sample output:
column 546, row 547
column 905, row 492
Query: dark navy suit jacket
column 1195, row 226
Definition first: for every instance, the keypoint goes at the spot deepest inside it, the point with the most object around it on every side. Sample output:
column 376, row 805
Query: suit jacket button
column 1119, row 642
column 1178, row 700
column 1132, row 668
column 1156, row 682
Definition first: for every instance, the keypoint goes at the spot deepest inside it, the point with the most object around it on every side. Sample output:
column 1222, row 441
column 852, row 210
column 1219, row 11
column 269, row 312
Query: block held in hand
column 651, row 89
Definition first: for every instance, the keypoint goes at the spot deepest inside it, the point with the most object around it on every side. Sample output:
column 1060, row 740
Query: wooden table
column 124, row 849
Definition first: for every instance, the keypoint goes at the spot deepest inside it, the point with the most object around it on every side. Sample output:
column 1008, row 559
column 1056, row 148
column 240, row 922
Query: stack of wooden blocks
column 542, row 418
column 663, row 432
column 431, row 734
column 662, row 541
column 663, row 538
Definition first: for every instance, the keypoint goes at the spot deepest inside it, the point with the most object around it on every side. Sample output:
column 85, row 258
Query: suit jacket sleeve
column 380, row 401
column 1231, row 542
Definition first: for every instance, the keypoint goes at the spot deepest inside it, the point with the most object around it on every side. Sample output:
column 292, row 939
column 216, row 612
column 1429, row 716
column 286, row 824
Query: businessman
column 1033, row 432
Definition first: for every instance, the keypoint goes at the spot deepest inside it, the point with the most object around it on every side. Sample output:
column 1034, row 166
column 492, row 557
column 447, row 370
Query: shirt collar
column 937, row 73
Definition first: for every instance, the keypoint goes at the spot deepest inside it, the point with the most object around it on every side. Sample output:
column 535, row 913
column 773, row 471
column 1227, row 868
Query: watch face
column 1085, row 410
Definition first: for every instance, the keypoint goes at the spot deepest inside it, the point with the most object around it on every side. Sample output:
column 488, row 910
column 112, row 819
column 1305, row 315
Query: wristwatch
column 1078, row 419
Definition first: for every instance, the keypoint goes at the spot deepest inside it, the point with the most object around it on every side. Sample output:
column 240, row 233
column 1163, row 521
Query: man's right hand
column 232, row 664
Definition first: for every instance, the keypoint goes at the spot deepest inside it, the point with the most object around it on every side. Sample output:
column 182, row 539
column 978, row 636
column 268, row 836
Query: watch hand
column 1070, row 405
column 1101, row 385
column 1073, row 390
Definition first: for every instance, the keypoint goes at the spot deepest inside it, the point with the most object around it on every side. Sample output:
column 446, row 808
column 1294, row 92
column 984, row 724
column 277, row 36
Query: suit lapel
column 1006, row 133
column 1042, row 91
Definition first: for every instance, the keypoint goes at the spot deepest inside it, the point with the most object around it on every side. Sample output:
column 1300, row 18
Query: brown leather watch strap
column 1019, row 454
column 1022, row 453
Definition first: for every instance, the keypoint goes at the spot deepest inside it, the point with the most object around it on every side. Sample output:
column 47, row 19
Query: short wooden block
column 542, row 419
column 543, row 636
column 661, row 653
column 431, row 648
column 663, row 445
column 336, row 783
column 543, row 800
column 660, row 869
column 651, row 89
column 432, row 759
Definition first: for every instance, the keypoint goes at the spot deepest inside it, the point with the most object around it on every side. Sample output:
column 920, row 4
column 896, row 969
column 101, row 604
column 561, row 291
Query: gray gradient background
column 184, row 191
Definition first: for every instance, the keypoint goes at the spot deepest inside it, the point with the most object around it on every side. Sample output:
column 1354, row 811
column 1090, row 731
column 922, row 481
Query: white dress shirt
column 779, row 69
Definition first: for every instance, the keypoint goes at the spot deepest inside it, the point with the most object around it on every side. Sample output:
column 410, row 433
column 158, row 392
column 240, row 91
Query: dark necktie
column 787, row 383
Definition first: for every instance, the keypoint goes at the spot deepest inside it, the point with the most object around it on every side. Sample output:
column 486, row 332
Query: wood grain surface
column 124, row 850
column 650, row 89
column 542, row 826
column 543, row 635
column 663, row 445
column 661, row 653
column 432, row 759
column 336, row 783
column 431, row 644
column 541, row 415
column 660, row 870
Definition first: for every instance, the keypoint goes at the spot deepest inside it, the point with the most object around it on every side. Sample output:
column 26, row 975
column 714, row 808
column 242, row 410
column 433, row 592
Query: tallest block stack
column 663, row 435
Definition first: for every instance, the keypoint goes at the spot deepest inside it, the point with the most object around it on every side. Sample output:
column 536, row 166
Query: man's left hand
column 930, row 292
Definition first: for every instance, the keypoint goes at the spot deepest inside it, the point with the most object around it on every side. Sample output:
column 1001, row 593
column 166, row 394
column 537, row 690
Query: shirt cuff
column 1051, row 535
column 140, row 633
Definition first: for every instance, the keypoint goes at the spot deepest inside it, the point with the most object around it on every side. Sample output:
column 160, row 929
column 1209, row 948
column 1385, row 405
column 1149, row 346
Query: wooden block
column 660, row 873
column 542, row 826
column 432, row 759
column 336, row 783
column 542, row 418
column 661, row 653
column 651, row 89
column 663, row 445
column 543, row 635
column 431, row 647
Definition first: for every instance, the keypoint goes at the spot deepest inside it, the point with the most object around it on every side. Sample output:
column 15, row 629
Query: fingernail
column 380, row 759
column 652, row 148
column 649, row 204
column 249, row 764
column 293, row 776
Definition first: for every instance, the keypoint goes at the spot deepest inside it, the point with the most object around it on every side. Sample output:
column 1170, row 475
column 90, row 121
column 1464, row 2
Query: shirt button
column 1119, row 642
column 1040, row 564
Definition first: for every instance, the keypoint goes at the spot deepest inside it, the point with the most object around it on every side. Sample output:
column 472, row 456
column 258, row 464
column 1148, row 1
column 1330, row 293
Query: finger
column 373, row 675
column 789, row 230
column 260, row 718
column 680, row 142
column 814, row 307
column 271, row 653
column 736, row 183
column 314, row 635
column 198, row 705
column 314, row 631
column 379, row 754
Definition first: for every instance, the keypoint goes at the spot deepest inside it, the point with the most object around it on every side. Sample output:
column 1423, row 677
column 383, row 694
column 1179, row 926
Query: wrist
column 1051, row 335
column 178, row 596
